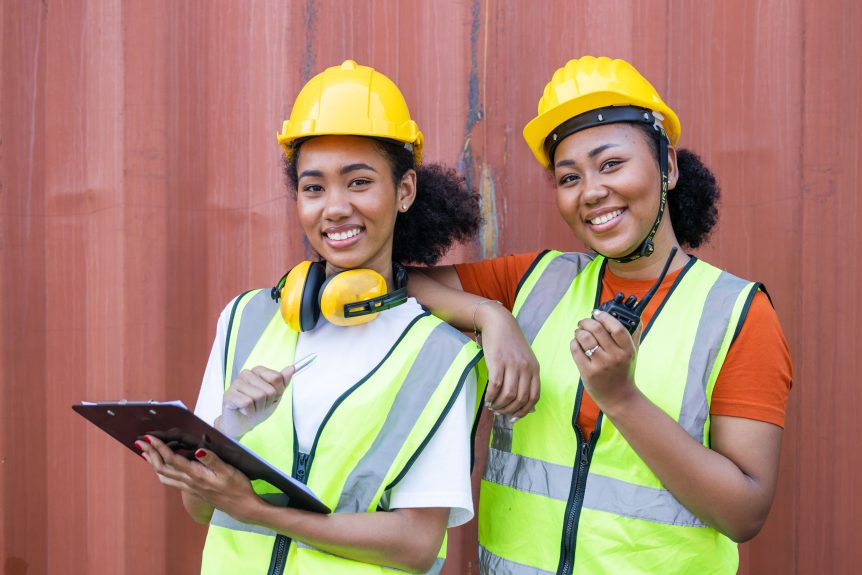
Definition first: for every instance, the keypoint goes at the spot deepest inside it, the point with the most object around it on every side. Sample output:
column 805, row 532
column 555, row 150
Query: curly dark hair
column 693, row 203
column 445, row 211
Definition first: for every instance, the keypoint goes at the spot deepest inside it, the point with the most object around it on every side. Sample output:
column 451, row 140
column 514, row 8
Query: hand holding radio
column 627, row 309
column 254, row 395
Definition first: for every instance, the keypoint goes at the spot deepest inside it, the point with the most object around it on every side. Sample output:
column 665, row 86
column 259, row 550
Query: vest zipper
column 282, row 543
column 577, row 490
column 573, row 507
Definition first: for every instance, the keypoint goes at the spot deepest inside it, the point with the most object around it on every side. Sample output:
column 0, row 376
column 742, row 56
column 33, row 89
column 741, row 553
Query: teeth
column 343, row 235
column 605, row 218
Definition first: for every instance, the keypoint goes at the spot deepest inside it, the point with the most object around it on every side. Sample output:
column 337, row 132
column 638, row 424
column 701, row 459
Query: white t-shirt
column 440, row 476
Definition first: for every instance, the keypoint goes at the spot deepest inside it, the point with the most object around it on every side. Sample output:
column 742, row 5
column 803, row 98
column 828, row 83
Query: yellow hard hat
column 587, row 84
column 351, row 100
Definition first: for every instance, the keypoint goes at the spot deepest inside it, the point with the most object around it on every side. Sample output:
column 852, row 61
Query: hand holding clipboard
column 185, row 433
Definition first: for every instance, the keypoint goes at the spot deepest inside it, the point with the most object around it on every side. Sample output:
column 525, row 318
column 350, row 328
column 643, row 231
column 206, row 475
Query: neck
column 648, row 268
column 382, row 265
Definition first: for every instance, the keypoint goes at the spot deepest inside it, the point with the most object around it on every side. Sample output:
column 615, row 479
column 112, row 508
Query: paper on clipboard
column 185, row 433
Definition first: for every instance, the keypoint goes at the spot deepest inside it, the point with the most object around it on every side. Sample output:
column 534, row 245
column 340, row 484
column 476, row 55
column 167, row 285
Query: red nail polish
column 138, row 446
column 147, row 439
column 200, row 453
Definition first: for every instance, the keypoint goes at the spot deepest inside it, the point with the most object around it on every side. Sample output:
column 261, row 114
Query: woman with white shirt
column 379, row 425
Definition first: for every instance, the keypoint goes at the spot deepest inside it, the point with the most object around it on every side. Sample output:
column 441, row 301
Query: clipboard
column 185, row 433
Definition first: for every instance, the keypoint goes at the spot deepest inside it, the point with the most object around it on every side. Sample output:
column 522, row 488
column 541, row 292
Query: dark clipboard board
column 185, row 433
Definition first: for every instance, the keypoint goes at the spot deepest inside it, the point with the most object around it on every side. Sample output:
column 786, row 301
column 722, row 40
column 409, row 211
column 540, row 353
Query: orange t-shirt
column 754, row 381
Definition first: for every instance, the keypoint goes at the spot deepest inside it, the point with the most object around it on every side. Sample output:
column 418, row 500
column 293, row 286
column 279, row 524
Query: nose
column 594, row 191
column 337, row 205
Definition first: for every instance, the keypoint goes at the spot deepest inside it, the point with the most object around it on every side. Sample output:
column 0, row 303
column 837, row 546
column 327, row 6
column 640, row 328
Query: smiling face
column 347, row 202
column 607, row 180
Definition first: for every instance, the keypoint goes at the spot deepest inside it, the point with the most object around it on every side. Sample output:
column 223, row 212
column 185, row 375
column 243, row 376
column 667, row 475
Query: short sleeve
column 440, row 476
column 757, row 374
column 211, row 393
column 496, row 278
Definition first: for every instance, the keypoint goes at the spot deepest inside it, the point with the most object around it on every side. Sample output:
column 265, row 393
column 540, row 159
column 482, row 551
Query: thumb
column 636, row 336
column 287, row 374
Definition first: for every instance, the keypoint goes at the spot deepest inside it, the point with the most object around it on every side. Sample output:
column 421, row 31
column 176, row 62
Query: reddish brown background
column 140, row 189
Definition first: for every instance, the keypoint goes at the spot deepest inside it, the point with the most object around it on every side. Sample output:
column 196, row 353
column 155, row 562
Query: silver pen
column 303, row 363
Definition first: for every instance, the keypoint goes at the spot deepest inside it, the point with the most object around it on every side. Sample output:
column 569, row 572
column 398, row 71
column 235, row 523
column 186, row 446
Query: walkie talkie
column 628, row 310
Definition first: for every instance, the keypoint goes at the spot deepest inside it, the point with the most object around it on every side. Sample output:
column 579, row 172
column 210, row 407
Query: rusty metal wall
column 140, row 188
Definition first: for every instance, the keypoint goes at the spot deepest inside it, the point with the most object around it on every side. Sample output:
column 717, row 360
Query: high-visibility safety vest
column 366, row 444
column 554, row 501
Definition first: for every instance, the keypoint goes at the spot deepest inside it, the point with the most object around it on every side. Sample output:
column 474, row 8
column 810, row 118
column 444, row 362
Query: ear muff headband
column 350, row 297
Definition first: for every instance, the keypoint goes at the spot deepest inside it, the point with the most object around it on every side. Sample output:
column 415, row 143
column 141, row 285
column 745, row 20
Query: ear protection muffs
column 350, row 297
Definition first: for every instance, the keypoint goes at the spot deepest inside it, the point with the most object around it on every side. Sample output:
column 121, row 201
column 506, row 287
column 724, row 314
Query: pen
column 303, row 363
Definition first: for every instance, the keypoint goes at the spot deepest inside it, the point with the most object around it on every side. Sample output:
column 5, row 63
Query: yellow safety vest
column 366, row 444
column 554, row 501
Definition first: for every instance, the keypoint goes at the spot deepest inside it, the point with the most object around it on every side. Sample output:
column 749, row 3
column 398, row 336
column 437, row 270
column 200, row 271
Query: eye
column 569, row 179
column 312, row 188
column 610, row 164
column 359, row 182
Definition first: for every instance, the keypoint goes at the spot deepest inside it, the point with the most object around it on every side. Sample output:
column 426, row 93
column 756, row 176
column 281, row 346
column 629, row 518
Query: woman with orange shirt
column 651, row 448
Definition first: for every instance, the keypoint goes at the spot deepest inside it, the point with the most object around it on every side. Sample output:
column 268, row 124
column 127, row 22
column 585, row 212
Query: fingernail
column 200, row 454
column 139, row 446
column 513, row 419
column 488, row 404
column 147, row 439
column 596, row 313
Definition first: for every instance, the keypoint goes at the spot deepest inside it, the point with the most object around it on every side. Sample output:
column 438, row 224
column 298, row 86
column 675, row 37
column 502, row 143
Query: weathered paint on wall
column 141, row 188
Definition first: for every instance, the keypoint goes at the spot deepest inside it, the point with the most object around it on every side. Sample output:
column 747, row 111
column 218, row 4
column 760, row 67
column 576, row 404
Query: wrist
column 624, row 401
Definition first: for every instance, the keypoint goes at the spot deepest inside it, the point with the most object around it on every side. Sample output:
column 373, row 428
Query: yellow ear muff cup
column 298, row 306
column 347, row 287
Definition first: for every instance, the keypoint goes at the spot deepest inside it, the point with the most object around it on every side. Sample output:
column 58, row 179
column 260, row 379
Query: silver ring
column 591, row 351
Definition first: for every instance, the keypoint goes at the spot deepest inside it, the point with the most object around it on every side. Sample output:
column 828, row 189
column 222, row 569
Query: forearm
column 404, row 539
column 440, row 291
column 709, row 484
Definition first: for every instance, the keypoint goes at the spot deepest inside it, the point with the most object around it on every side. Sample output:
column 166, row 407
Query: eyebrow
column 310, row 174
column 353, row 167
column 591, row 154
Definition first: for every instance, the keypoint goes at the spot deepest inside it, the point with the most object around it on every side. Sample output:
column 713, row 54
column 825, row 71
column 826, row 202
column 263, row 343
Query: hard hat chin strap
column 646, row 247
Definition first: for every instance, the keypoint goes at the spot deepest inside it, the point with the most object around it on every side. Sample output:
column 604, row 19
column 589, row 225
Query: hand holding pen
column 254, row 395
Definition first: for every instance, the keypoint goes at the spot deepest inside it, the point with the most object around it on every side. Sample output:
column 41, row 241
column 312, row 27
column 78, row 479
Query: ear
column 672, row 168
column 406, row 192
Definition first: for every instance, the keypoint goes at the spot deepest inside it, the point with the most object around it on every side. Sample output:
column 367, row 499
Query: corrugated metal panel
column 140, row 189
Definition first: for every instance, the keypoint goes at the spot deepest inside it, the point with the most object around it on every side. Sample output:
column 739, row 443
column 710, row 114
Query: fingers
column 614, row 328
column 256, row 389
column 171, row 468
column 513, row 393
column 515, row 389
column 532, row 398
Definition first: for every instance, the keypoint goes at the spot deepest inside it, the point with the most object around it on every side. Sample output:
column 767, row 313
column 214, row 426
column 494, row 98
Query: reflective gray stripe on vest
column 255, row 317
column 707, row 342
column 502, row 437
column 549, row 290
column 431, row 364
column 222, row 519
column 602, row 493
column 490, row 564
column 528, row 474
column 637, row 501
column 435, row 569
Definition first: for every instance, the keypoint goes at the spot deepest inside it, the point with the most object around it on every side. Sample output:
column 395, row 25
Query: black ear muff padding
column 309, row 311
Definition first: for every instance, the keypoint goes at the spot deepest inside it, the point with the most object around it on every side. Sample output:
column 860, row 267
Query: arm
column 730, row 486
column 513, row 371
column 407, row 539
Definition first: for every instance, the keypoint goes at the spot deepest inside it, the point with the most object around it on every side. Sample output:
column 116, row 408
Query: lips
column 605, row 218
column 343, row 236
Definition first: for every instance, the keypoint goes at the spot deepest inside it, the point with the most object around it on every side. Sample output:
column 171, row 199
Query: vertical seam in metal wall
column 800, row 280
